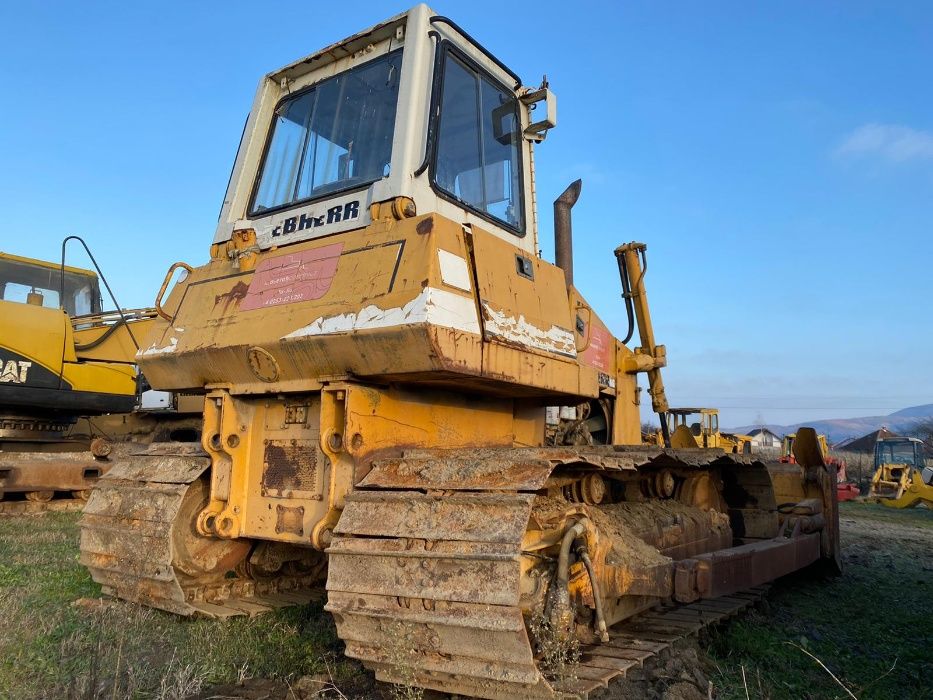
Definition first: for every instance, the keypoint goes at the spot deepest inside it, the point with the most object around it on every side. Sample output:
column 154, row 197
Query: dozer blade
column 807, row 450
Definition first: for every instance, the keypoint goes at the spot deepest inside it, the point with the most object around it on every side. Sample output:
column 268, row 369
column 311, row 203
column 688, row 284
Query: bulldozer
column 901, row 478
column 64, row 362
column 699, row 427
column 413, row 414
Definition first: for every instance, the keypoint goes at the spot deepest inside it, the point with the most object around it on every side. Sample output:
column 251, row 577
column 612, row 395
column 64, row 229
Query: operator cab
column 699, row 421
column 412, row 113
column 40, row 283
column 899, row 453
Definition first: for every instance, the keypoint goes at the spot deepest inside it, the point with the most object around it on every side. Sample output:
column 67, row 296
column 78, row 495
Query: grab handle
column 164, row 287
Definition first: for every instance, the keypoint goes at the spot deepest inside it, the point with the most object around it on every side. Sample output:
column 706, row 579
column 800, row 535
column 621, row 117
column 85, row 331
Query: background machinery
column 380, row 342
column 845, row 489
column 901, row 479
column 62, row 361
column 699, row 427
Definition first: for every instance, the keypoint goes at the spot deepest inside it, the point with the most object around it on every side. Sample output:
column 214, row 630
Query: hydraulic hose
column 561, row 615
column 601, row 630
column 626, row 297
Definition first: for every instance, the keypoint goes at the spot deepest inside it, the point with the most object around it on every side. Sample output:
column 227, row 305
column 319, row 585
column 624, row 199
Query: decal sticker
column 19, row 370
column 292, row 278
column 521, row 332
column 436, row 307
column 332, row 215
column 15, row 372
column 597, row 354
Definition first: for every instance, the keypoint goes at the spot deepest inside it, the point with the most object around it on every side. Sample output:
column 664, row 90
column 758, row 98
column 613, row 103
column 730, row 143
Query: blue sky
column 777, row 158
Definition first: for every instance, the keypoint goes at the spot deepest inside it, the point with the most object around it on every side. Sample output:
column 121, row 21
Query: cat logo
column 15, row 372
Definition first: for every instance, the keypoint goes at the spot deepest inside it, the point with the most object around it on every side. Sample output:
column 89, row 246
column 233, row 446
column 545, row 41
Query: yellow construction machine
column 62, row 361
column 901, row 479
column 699, row 427
column 845, row 490
column 413, row 413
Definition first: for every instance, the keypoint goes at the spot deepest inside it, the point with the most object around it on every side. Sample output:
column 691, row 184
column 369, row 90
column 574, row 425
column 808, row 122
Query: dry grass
column 558, row 653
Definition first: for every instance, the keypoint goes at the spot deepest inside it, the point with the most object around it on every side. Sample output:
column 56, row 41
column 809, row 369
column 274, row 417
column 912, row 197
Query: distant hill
column 837, row 429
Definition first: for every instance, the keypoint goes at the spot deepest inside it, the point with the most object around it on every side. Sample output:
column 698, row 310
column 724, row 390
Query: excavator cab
column 61, row 359
column 41, row 283
column 901, row 478
column 43, row 308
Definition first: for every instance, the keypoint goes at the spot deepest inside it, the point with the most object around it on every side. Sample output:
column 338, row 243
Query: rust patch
column 288, row 466
column 425, row 226
column 237, row 293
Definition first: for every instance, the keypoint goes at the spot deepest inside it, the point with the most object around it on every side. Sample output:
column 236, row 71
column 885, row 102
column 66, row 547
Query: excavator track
column 139, row 543
column 27, row 507
column 41, row 482
column 425, row 585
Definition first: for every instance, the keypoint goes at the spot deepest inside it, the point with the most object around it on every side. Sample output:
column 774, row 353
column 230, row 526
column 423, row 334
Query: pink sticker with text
column 294, row 277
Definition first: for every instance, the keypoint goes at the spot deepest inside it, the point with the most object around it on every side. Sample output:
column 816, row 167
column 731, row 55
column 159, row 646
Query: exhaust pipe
column 563, row 229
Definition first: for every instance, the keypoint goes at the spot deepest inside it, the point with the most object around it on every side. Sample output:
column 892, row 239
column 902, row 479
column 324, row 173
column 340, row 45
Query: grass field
column 59, row 641
column 872, row 628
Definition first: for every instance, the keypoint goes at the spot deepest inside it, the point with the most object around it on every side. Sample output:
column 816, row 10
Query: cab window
column 477, row 159
column 332, row 137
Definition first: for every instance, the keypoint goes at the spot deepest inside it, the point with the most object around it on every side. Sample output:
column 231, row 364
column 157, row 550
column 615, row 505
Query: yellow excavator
column 901, row 478
column 63, row 361
column 411, row 412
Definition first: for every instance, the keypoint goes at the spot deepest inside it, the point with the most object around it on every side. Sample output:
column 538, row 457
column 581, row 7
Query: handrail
column 162, row 289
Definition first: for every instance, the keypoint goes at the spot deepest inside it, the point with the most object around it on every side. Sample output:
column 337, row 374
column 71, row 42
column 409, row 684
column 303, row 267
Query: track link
column 138, row 542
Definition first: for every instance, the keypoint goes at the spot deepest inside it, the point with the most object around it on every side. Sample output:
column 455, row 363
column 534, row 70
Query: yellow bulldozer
column 63, row 360
column 699, row 427
column 901, row 478
column 411, row 412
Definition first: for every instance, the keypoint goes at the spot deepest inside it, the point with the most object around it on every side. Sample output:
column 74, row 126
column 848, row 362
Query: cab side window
column 478, row 156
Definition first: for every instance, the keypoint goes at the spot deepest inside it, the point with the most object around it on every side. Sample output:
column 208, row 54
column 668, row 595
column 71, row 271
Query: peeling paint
column 433, row 306
column 518, row 330
column 156, row 350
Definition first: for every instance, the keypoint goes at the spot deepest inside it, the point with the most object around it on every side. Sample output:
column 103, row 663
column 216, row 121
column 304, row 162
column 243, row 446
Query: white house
column 762, row 438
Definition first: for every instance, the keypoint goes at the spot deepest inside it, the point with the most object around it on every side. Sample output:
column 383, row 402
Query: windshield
column 334, row 136
column 39, row 285
column 693, row 421
column 896, row 453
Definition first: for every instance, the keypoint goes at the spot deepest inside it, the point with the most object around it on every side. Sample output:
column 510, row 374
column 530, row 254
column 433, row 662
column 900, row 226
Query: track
column 426, row 589
column 649, row 634
column 138, row 541
column 39, row 481
column 25, row 507
column 435, row 567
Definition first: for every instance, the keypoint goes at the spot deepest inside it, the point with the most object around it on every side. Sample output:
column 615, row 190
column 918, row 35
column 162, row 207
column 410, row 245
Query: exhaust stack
column 563, row 229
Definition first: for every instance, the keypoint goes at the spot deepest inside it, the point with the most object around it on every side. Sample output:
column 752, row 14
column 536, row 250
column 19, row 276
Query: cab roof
column 32, row 262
